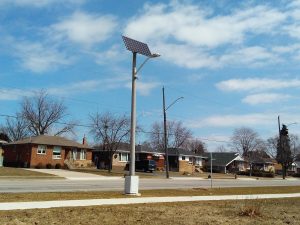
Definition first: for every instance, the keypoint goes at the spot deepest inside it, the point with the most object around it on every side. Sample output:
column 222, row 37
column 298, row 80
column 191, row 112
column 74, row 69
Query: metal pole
column 165, row 136
column 133, row 118
column 210, row 169
column 281, row 147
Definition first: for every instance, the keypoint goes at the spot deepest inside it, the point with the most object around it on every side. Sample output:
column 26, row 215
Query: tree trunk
column 110, row 157
column 283, row 171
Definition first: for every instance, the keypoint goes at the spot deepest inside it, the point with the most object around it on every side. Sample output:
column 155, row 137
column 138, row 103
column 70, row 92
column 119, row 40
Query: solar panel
column 137, row 46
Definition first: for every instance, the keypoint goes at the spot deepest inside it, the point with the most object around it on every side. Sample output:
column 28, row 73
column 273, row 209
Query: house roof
column 49, row 140
column 181, row 151
column 223, row 158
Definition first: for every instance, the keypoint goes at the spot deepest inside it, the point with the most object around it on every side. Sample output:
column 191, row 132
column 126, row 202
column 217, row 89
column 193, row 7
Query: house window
column 182, row 157
column 123, row 157
column 82, row 154
column 74, row 154
column 57, row 152
column 198, row 161
column 41, row 149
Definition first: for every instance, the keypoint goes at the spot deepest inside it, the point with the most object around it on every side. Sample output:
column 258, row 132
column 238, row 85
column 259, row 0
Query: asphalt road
column 18, row 186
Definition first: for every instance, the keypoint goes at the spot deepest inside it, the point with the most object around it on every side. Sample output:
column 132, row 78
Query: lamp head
column 154, row 55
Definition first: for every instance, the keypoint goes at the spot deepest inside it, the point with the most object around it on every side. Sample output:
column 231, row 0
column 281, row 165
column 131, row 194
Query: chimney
column 84, row 142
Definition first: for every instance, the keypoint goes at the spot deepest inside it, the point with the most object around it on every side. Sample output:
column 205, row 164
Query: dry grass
column 19, row 173
column 277, row 211
column 156, row 174
column 18, row 197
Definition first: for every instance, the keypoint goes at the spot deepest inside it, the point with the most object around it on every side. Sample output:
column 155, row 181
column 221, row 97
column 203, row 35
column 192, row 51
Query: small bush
column 256, row 173
column 57, row 166
column 39, row 166
column 48, row 166
column 251, row 208
column 296, row 175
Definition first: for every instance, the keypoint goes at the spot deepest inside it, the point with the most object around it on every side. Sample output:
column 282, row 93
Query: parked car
column 144, row 165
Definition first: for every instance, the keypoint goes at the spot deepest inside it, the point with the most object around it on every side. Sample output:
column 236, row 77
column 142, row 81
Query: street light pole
column 133, row 117
column 211, row 155
column 165, row 136
column 136, row 47
column 165, row 131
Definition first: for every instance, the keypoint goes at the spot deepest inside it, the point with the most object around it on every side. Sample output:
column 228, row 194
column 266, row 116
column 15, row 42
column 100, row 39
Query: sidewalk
column 73, row 175
column 136, row 200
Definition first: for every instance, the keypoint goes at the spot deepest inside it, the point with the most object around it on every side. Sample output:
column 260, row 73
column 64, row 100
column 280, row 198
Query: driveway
column 72, row 175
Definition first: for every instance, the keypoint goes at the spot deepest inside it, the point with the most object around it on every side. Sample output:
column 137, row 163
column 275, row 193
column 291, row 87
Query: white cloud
column 257, row 84
column 263, row 98
column 38, row 57
column 234, row 120
column 282, row 49
column 13, row 94
column 86, row 29
column 38, row 3
column 112, row 55
column 189, row 24
column 89, row 86
column 254, row 56
column 187, row 56
column 144, row 88
column 190, row 37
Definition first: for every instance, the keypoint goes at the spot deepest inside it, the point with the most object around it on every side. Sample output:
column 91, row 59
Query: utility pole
column 211, row 169
column 165, row 136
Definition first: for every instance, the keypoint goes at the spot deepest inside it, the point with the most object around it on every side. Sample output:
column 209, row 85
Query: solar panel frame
column 137, row 46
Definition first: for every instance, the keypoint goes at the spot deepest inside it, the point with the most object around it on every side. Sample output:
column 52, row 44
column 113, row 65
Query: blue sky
column 236, row 63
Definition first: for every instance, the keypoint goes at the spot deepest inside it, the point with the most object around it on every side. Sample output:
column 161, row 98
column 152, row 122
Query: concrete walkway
column 73, row 175
column 137, row 200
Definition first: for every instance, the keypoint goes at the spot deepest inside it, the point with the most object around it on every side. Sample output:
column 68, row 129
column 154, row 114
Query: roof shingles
column 49, row 140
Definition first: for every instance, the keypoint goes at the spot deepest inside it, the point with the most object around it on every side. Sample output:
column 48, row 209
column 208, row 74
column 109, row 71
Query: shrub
column 57, row 166
column 257, row 173
column 251, row 208
column 39, row 166
column 296, row 175
column 48, row 166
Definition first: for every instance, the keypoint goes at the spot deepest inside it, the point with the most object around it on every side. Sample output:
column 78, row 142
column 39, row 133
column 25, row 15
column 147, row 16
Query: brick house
column 43, row 150
column 180, row 160
column 121, row 157
column 184, row 161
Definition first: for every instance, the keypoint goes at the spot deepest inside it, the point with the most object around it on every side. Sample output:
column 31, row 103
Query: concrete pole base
column 132, row 185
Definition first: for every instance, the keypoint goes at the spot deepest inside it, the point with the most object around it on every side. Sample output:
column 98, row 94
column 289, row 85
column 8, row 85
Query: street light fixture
column 136, row 47
column 165, row 131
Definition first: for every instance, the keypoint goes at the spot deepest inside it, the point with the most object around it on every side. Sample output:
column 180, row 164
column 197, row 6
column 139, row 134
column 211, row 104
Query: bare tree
column 221, row 148
column 110, row 131
column 245, row 140
column 16, row 128
column 41, row 113
column 177, row 135
column 271, row 145
column 196, row 146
